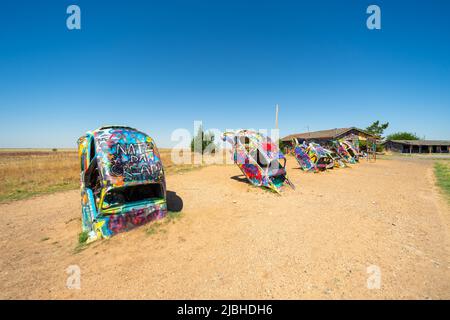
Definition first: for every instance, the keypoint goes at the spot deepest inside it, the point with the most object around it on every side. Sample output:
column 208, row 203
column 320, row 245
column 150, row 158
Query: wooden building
column 418, row 146
column 323, row 137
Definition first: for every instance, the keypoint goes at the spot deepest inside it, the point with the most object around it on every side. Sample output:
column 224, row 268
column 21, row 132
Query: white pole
column 276, row 116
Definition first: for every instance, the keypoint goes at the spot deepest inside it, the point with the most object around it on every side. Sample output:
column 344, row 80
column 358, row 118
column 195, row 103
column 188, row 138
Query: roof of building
column 423, row 142
column 324, row 134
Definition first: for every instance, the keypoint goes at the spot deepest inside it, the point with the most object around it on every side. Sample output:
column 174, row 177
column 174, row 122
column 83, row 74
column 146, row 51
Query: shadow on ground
column 240, row 178
column 174, row 202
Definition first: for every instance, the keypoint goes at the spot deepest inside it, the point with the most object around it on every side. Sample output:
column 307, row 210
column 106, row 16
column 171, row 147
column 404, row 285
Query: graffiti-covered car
column 320, row 156
column 350, row 148
column 301, row 154
column 259, row 159
column 342, row 151
column 122, row 181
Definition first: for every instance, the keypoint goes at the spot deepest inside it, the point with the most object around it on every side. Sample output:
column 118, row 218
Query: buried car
column 259, row 159
column 122, row 181
column 342, row 152
column 338, row 160
column 301, row 154
column 350, row 148
column 320, row 156
column 314, row 157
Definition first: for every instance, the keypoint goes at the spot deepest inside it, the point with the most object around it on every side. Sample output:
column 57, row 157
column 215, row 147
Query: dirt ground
column 235, row 241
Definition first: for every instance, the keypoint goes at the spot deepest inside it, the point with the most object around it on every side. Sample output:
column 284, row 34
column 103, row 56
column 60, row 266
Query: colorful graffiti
column 337, row 160
column 319, row 156
column 350, row 148
column 342, row 152
column 301, row 154
column 122, row 181
column 259, row 159
column 314, row 157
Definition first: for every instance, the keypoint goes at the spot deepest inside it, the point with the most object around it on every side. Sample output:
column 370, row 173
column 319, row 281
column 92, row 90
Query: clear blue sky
column 160, row 65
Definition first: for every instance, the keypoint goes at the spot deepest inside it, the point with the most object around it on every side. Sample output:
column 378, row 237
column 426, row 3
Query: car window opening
column 261, row 160
column 92, row 180
column 91, row 150
column 125, row 195
column 245, row 141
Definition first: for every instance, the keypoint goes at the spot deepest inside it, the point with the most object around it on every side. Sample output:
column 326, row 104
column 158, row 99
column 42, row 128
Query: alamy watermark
column 374, row 20
column 374, row 279
column 73, row 21
column 73, row 280
column 210, row 146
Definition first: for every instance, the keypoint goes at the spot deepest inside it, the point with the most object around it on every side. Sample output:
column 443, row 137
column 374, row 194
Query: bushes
column 363, row 146
column 203, row 140
column 402, row 136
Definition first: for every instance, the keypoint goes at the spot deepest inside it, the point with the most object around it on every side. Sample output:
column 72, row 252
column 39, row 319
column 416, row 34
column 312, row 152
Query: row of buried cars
column 123, row 183
column 262, row 162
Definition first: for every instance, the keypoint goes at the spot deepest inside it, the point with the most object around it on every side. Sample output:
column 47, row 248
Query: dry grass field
column 29, row 172
column 25, row 173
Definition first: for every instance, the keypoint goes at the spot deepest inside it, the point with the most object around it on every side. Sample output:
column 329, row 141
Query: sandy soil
column 236, row 241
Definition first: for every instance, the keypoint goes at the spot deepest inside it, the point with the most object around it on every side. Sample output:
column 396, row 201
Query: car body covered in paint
column 301, row 154
column 314, row 157
column 259, row 159
column 329, row 156
column 338, row 161
column 122, row 181
column 320, row 156
column 350, row 148
column 339, row 148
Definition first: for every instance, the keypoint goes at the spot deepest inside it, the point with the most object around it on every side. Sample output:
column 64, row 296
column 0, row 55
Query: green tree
column 283, row 145
column 377, row 128
column 402, row 136
column 202, row 140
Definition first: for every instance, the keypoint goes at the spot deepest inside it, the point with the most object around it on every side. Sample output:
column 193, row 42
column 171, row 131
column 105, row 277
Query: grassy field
column 25, row 173
column 442, row 172
column 28, row 172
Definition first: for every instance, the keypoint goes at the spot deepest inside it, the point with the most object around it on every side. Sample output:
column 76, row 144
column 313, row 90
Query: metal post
column 276, row 116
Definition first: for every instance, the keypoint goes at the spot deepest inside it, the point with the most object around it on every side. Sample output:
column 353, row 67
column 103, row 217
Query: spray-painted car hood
column 126, row 157
column 258, row 158
column 122, row 181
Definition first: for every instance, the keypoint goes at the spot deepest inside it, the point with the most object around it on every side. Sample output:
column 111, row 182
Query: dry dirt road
column 235, row 241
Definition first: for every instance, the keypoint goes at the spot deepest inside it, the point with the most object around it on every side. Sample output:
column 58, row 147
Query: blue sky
column 160, row 65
